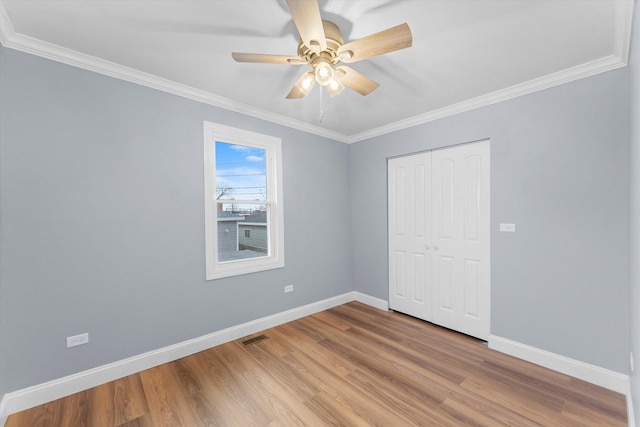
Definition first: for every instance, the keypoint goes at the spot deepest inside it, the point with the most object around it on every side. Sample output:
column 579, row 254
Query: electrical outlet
column 288, row 288
column 509, row 228
column 77, row 340
column 631, row 360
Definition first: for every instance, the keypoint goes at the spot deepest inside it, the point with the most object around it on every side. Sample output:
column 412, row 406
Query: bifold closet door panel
column 461, row 240
column 409, row 185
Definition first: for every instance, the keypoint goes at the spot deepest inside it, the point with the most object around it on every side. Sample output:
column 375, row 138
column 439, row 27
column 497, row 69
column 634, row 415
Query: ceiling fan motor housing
column 334, row 41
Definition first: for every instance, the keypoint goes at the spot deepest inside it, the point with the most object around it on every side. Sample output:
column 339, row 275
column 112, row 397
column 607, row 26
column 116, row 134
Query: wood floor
column 352, row 365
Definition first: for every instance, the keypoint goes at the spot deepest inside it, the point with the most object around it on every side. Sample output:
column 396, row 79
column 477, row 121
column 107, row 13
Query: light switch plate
column 509, row 228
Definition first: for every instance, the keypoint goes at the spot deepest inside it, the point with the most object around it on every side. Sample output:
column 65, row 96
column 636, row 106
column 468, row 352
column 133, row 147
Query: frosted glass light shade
column 335, row 86
column 305, row 83
column 324, row 73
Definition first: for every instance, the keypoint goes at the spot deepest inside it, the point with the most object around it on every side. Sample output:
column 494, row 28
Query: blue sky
column 242, row 168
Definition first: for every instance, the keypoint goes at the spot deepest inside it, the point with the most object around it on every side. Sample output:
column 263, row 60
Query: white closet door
column 439, row 266
column 461, row 241
column 409, row 181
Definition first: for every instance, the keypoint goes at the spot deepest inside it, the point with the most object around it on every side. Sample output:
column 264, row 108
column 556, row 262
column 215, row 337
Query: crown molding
column 623, row 16
column 556, row 79
column 6, row 27
column 10, row 39
column 623, row 19
column 622, row 27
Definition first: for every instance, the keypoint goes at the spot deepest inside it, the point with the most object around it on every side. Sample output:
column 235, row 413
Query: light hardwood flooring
column 352, row 365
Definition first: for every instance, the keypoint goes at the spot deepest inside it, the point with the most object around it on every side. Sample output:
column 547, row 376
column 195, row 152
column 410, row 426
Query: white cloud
column 244, row 148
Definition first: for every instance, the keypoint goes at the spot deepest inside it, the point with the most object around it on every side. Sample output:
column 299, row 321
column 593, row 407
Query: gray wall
column 102, row 222
column 634, row 211
column 559, row 171
column 101, row 219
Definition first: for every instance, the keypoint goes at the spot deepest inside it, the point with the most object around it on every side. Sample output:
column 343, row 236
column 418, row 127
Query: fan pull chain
column 321, row 111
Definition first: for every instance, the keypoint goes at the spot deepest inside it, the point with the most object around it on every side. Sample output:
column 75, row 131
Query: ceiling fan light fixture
column 322, row 47
column 306, row 82
column 335, row 87
column 324, row 73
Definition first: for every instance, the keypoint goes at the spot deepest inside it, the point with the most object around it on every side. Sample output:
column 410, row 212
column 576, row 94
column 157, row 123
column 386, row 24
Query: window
column 243, row 193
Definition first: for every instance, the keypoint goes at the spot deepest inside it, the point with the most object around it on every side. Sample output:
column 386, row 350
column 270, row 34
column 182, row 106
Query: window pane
column 241, row 176
column 243, row 201
column 240, row 172
column 243, row 231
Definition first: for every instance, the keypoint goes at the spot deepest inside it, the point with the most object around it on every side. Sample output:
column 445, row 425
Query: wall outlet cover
column 77, row 340
column 509, row 228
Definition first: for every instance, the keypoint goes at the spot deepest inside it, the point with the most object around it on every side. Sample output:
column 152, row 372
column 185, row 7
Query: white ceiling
column 465, row 54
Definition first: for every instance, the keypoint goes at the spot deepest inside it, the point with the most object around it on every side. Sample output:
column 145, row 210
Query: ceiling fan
column 322, row 47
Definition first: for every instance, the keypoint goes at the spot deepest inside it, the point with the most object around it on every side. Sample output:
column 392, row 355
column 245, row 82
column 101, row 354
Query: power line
column 246, row 174
column 248, row 188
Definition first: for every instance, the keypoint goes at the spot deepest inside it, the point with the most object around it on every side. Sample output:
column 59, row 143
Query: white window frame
column 275, row 221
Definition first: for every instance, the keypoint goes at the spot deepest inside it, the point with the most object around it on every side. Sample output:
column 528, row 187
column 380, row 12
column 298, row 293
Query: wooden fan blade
column 356, row 81
column 386, row 41
column 295, row 93
column 306, row 16
column 264, row 58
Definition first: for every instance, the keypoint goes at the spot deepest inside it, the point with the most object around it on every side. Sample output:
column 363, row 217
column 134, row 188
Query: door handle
column 435, row 248
column 426, row 247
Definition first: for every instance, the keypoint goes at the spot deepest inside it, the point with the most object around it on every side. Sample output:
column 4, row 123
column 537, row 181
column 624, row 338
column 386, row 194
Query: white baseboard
column 594, row 374
column 606, row 378
column 631, row 418
column 378, row 303
column 42, row 393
